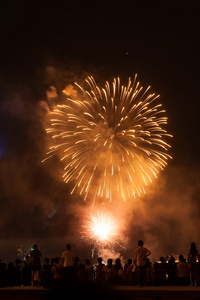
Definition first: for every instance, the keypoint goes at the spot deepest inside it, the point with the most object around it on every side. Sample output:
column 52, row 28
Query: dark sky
column 159, row 40
column 160, row 37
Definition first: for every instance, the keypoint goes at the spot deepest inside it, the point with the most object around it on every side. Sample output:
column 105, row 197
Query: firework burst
column 111, row 139
column 100, row 230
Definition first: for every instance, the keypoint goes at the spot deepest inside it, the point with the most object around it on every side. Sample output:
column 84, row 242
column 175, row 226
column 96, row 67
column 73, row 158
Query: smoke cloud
column 36, row 205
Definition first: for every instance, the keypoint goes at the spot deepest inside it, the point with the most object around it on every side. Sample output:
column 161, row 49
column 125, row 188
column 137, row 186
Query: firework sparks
column 100, row 229
column 111, row 139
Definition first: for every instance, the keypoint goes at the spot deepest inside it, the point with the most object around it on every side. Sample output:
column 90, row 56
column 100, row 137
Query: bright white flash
column 100, row 228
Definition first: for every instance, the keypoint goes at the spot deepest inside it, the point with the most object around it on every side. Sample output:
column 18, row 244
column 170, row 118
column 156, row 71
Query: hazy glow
column 111, row 139
column 100, row 228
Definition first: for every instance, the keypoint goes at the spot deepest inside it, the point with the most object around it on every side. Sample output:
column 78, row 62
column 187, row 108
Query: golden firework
column 111, row 139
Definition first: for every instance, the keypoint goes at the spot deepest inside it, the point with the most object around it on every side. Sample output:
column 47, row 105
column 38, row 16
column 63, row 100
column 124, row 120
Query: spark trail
column 112, row 139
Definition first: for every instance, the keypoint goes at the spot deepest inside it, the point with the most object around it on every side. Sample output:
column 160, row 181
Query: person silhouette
column 35, row 265
column 140, row 256
column 192, row 263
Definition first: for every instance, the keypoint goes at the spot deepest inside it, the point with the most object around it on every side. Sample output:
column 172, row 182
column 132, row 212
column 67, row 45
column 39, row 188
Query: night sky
column 54, row 43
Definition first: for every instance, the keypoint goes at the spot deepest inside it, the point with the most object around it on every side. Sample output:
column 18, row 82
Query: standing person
column 46, row 273
column 120, row 276
column 68, row 261
column 128, row 270
column 161, row 271
column 89, row 270
column 99, row 270
column 109, row 272
column 35, row 265
column 10, row 275
column 2, row 273
column 17, row 272
column 192, row 264
column 182, row 268
column 140, row 256
column 148, row 272
column 171, row 266
column 76, row 268
column 56, row 272
column 25, row 270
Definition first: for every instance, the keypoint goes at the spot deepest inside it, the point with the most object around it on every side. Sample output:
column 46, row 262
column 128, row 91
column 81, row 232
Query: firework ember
column 100, row 229
column 111, row 139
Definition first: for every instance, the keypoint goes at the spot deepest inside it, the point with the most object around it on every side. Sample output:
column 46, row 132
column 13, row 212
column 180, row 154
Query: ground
column 116, row 292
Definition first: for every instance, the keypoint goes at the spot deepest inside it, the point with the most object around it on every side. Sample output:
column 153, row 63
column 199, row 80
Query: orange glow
column 112, row 140
column 100, row 228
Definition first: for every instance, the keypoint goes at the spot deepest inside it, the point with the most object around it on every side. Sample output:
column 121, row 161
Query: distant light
column 126, row 52
column 32, row 249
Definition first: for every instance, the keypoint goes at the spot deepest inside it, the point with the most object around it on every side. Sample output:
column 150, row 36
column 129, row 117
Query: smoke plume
column 36, row 205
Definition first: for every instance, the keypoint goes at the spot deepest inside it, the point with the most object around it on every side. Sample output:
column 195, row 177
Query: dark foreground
column 95, row 292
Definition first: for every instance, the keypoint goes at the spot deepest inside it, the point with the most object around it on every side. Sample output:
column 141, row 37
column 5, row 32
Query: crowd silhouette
column 138, row 270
